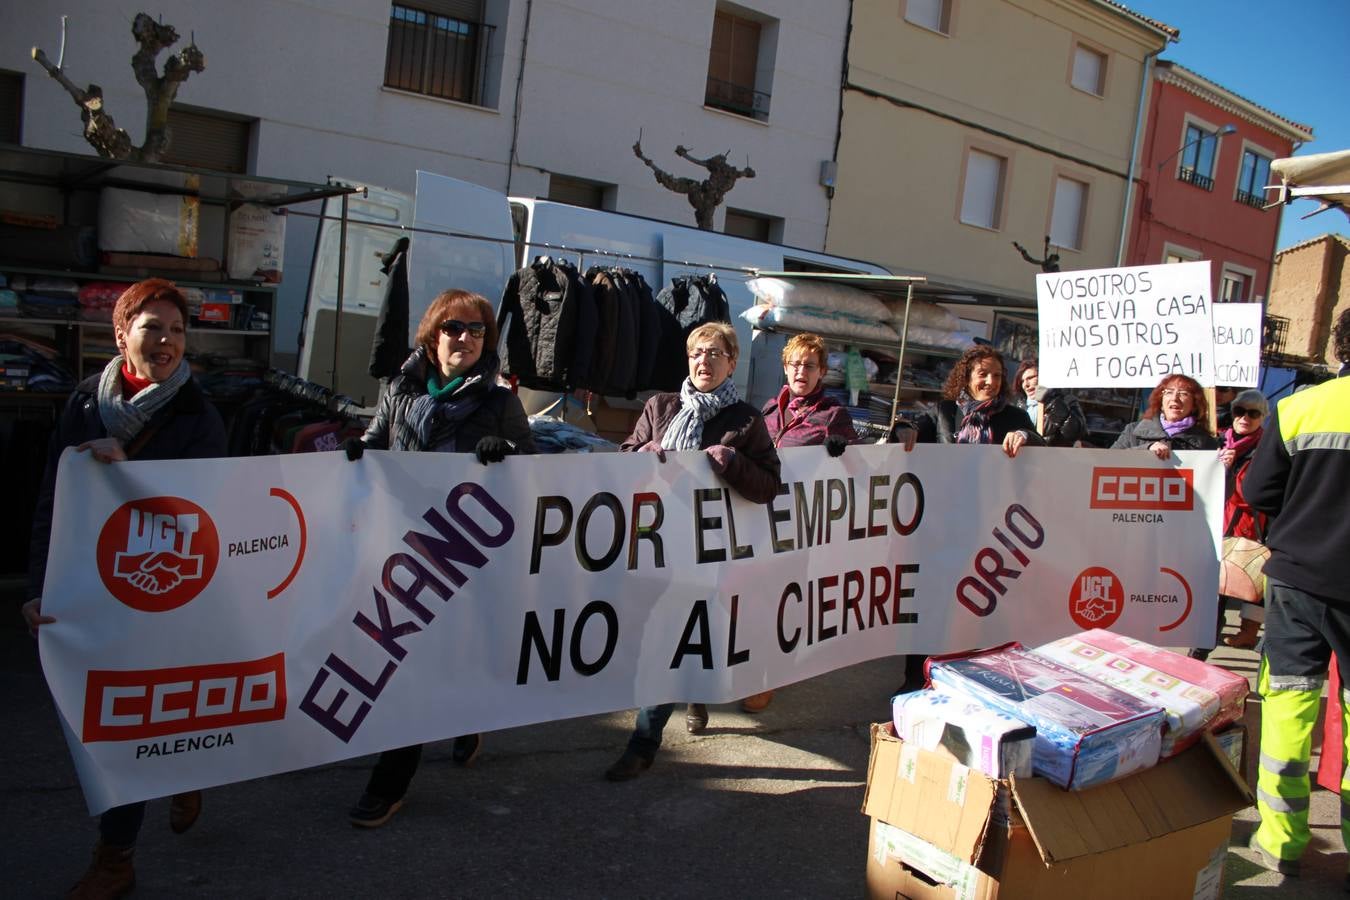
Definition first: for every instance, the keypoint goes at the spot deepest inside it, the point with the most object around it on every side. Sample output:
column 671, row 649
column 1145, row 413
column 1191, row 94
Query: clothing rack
column 581, row 252
column 337, row 404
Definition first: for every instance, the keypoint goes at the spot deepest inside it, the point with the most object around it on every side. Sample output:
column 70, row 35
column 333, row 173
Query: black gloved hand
column 834, row 445
column 491, row 449
column 355, row 448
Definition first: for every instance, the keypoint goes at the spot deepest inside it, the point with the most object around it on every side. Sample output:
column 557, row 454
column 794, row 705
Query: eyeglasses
column 1242, row 412
column 454, row 328
column 804, row 366
column 712, row 353
column 1180, row 395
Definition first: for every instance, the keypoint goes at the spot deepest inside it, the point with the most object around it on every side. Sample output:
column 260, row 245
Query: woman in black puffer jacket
column 446, row 400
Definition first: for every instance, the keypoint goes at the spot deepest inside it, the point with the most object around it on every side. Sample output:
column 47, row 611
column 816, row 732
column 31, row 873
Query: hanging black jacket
column 538, row 317
column 390, row 347
column 649, row 332
column 689, row 301
column 614, row 298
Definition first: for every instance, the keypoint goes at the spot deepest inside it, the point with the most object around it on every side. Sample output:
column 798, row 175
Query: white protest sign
column 1237, row 344
column 219, row 620
column 1125, row 327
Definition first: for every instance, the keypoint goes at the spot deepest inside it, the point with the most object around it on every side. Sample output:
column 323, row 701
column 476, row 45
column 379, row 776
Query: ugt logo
column 1096, row 599
column 157, row 553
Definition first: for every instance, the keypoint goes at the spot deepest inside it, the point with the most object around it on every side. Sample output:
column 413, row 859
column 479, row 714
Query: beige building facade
column 969, row 125
column 1309, row 289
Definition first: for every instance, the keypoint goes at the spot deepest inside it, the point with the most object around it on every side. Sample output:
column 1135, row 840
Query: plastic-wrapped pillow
column 922, row 312
column 836, row 298
column 827, row 323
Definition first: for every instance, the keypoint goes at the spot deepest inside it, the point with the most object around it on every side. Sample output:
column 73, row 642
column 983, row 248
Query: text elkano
column 432, row 563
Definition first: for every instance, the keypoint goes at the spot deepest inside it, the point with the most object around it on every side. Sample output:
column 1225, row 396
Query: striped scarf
column 977, row 418
column 123, row 418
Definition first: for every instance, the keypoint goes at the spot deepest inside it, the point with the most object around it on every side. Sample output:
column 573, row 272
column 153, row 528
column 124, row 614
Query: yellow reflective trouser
column 1288, row 714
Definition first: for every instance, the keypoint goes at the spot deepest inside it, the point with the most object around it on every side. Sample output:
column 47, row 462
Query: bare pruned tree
column 100, row 130
column 704, row 196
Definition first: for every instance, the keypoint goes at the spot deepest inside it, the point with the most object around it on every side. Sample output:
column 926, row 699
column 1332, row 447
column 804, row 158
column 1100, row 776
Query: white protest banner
column 224, row 619
column 1125, row 327
column 1237, row 344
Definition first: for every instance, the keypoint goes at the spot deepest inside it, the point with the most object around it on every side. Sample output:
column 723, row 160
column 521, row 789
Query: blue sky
column 1290, row 58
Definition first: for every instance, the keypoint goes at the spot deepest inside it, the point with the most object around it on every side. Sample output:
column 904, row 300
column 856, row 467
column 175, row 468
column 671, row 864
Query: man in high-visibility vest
column 1300, row 474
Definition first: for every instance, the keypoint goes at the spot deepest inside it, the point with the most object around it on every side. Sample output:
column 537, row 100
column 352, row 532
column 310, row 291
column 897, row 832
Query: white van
column 472, row 237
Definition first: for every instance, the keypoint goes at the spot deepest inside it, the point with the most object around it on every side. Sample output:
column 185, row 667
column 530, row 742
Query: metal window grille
column 437, row 55
column 1191, row 176
column 1255, row 200
column 737, row 98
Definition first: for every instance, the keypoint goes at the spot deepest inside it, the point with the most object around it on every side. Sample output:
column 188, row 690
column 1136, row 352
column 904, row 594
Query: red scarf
column 131, row 384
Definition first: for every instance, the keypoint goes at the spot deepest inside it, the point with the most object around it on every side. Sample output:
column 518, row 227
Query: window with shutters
column 740, row 63
column 984, row 179
column 1087, row 69
column 1235, row 283
column 1068, row 213
column 205, row 139
column 11, row 107
column 752, row 225
column 438, row 48
column 581, row 192
column 935, row 15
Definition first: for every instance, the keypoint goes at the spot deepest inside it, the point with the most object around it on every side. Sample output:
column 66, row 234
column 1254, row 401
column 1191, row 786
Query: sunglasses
column 1242, row 412
column 454, row 328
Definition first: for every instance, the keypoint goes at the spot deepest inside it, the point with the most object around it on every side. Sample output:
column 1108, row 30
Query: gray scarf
column 124, row 419
column 685, row 431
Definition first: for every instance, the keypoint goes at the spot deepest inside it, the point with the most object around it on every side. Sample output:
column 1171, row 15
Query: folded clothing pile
column 47, row 298
column 552, row 435
column 1195, row 696
column 97, row 299
column 1087, row 732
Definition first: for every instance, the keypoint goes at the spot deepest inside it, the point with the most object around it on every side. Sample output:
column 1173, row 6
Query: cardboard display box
column 1161, row 832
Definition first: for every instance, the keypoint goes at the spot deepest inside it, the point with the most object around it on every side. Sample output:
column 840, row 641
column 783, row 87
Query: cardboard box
column 1162, row 832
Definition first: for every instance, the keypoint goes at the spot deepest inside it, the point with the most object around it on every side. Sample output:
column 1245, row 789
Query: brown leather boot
column 1245, row 639
column 184, row 810
column 757, row 702
column 109, row 876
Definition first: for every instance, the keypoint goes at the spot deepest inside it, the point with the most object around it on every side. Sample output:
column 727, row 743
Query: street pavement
column 764, row 805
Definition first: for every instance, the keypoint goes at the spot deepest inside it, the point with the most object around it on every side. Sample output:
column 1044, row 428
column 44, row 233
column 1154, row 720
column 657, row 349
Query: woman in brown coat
column 707, row 414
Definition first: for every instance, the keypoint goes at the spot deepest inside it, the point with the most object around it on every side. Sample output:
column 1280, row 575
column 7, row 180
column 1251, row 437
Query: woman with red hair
column 1176, row 419
column 144, row 404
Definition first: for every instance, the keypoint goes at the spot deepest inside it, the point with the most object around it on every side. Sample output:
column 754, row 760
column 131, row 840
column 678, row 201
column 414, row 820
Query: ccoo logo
column 157, row 553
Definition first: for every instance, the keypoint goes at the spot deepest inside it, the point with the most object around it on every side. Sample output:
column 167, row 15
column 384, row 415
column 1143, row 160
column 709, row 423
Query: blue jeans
column 651, row 721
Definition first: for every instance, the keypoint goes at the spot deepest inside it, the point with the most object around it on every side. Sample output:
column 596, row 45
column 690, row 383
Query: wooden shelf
column 80, row 275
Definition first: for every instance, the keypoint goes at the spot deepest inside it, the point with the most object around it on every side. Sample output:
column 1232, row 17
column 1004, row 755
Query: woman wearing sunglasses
column 706, row 414
column 1249, row 410
column 445, row 399
column 1176, row 419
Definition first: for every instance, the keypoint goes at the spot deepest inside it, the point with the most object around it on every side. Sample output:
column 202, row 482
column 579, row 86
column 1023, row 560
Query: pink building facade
column 1203, row 167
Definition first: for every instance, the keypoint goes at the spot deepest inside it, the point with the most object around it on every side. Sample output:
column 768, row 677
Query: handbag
column 1242, row 566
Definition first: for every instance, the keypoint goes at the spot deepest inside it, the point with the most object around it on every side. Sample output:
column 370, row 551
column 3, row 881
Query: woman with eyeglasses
column 445, row 399
column 1176, row 419
column 1249, row 410
column 706, row 414
column 803, row 416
